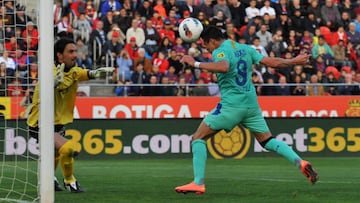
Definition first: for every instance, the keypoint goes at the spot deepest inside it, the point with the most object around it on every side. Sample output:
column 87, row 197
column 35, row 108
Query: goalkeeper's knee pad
column 67, row 149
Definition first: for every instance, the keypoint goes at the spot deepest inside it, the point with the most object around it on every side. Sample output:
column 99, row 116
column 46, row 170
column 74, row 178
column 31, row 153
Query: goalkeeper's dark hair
column 211, row 32
column 60, row 45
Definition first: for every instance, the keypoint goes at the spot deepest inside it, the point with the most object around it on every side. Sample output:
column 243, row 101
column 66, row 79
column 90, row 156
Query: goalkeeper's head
column 65, row 52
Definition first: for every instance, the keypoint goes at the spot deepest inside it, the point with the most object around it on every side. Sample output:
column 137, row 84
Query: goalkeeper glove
column 59, row 74
column 97, row 73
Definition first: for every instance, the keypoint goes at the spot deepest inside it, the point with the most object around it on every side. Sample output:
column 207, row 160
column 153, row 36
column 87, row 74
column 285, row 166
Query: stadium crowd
column 140, row 38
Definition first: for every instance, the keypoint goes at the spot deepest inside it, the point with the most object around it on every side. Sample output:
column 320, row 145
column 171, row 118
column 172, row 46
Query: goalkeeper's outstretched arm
column 93, row 74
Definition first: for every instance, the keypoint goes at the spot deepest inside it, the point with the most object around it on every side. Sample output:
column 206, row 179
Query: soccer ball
column 190, row 29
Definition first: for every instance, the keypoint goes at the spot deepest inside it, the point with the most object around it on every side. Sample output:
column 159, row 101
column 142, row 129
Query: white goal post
column 27, row 168
column 46, row 122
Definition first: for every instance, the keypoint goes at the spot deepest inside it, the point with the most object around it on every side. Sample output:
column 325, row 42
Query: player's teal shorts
column 224, row 117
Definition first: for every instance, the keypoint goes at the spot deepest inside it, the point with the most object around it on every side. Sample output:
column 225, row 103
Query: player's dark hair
column 60, row 45
column 211, row 32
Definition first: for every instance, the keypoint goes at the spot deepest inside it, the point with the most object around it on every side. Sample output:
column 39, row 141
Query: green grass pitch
column 247, row 180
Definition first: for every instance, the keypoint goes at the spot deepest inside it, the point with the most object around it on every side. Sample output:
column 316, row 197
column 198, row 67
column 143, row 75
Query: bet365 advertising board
column 171, row 138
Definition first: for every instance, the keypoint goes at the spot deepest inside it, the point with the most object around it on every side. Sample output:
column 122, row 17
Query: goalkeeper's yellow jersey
column 65, row 96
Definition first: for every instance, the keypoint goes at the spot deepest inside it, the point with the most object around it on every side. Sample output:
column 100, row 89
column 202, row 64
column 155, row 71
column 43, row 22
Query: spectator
column 9, row 63
column 277, row 45
column 353, row 36
column 167, row 32
column 21, row 18
column 345, row 20
column 4, row 75
column 270, row 89
column 282, row 7
column 299, row 88
column 231, row 32
column 188, row 76
column 284, row 88
column 31, row 76
column 283, row 23
column 82, row 28
column 11, row 46
column 171, row 75
column 250, row 34
column 257, row 81
column 97, row 41
column 123, row 88
column 201, row 89
column 124, row 21
column 330, row 15
column 64, row 28
column 15, row 88
column 323, row 49
column 156, row 21
column 109, row 5
column 141, row 58
column 268, row 9
column 258, row 47
column 115, row 28
column 160, row 8
column 310, row 23
column 340, row 34
column 124, row 64
column 340, row 57
column 174, row 61
column 221, row 5
column 135, row 32
column 330, row 78
column 264, row 35
column 146, row 10
column 182, row 89
column 269, row 23
column 152, row 38
column 238, row 14
column 298, row 22
column 162, row 62
column 251, row 11
column 165, row 88
column 58, row 13
column 207, row 8
column 21, row 61
column 132, row 48
column 179, row 47
column 138, row 77
column 2, row 87
column 78, row 7
column 90, row 12
column 175, row 20
column 112, row 48
column 83, row 58
column 346, row 6
column 349, row 88
column 219, row 21
column 154, row 89
column 314, row 89
column 108, row 20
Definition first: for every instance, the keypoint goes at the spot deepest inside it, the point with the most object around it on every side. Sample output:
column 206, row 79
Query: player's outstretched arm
column 217, row 67
column 97, row 73
column 276, row 62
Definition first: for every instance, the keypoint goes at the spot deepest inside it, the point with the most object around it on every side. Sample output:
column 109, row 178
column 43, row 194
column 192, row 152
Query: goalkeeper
column 67, row 75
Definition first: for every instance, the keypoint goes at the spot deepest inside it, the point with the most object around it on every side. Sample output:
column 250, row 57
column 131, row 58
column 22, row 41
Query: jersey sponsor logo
column 234, row 144
column 220, row 55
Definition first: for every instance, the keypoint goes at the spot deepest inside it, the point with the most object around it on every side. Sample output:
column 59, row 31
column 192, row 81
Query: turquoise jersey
column 236, row 87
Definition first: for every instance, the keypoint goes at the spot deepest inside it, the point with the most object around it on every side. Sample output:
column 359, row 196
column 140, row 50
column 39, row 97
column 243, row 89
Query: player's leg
column 216, row 120
column 34, row 133
column 66, row 151
column 258, row 126
column 199, row 150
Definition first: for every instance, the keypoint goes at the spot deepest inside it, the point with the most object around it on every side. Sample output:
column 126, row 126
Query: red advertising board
column 197, row 107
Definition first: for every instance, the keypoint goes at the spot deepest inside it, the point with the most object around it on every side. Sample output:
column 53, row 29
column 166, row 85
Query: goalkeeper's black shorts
column 34, row 131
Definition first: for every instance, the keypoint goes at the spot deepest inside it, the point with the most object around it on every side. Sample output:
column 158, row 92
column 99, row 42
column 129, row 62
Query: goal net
column 21, row 33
